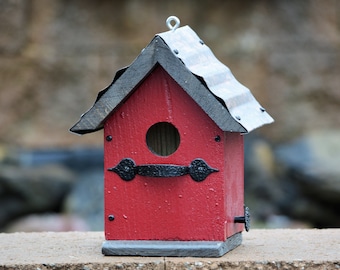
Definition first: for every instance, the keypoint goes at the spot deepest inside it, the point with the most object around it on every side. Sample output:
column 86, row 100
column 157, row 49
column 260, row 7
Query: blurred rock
column 311, row 168
column 86, row 199
column 66, row 181
column 78, row 159
column 262, row 188
column 32, row 189
column 47, row 222
column 280, row 221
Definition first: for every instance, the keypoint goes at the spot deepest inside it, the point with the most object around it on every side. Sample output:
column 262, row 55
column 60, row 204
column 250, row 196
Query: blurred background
column 55, row 56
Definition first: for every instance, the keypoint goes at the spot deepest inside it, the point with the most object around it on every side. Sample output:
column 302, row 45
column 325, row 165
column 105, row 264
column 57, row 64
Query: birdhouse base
column 171, row 248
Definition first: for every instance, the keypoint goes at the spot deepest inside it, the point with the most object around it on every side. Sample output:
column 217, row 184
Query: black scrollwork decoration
column 127, row 169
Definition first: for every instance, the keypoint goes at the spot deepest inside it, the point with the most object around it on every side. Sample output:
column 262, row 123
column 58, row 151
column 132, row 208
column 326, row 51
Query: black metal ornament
column 127, row 170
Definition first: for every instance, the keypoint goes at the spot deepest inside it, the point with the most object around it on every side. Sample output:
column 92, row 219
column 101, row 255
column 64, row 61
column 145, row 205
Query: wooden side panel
column 234, row 180
column 175, row 208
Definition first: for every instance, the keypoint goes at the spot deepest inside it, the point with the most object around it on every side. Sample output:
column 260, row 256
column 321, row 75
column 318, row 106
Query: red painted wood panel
column 175, row 208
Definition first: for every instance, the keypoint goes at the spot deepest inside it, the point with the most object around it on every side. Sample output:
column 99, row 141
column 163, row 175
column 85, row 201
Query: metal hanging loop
column 170, row 21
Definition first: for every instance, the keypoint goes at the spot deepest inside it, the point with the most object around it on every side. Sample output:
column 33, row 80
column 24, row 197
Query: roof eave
column 157, row 52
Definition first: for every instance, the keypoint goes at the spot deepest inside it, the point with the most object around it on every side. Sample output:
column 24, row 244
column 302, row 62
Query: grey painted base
column 171, row 248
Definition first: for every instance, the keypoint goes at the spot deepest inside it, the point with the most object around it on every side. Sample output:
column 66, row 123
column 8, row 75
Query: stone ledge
column 261, row 249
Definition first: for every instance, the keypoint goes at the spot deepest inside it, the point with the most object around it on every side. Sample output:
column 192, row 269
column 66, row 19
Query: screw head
column 111, row 217
column 108, row 138
column 217, row 138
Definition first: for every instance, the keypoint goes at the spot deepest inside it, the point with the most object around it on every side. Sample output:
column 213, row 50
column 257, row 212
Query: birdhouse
column 173, row 150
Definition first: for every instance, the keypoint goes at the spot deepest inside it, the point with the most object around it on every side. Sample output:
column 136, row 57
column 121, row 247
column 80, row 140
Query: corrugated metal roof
column 200, row 60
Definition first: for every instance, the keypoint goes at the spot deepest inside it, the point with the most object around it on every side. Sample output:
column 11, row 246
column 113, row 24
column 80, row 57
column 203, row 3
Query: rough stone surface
column 13, row 17
column 261, row 249
column 55, row 57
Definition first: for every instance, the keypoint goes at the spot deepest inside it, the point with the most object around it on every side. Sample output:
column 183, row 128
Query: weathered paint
column 175, row 208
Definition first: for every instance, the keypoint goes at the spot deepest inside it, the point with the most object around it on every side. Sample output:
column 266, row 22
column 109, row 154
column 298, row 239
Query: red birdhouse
column 173, row 151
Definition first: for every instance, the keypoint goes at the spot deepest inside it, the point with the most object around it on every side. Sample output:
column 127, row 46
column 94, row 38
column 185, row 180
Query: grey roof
column 194, row 67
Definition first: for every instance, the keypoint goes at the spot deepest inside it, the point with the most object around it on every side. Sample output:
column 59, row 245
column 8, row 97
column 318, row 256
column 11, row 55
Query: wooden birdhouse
column 173, row 150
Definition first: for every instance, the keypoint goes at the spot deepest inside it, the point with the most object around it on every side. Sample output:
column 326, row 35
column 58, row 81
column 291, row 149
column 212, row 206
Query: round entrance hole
column 162, row 138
